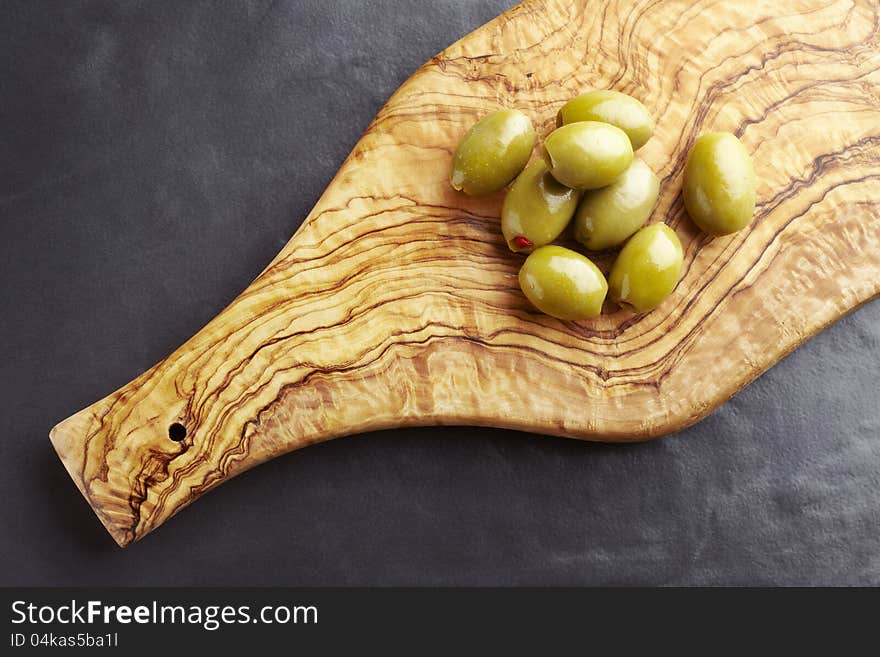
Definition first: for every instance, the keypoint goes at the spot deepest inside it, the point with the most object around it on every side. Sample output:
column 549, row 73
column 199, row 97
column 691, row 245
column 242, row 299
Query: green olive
column 536, row 209
column 563, row 283
column 587, row 154
column 647, row 269
column 719, row 184
column 612, row 107
column 492, row 152
column 606, row 217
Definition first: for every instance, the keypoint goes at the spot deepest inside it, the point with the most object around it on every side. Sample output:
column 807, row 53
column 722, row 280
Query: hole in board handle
column 177, row 432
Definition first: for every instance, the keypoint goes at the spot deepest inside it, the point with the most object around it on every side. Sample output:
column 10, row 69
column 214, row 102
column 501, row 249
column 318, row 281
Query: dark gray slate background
column 155, row 156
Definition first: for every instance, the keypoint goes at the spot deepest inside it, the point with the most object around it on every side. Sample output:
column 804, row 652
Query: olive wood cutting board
column 396, row 303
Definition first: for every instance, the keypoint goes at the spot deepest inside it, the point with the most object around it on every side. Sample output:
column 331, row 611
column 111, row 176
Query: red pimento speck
column 521, row 242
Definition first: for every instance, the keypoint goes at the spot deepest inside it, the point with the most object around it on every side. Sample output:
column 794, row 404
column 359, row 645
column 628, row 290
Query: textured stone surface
column 155, row 157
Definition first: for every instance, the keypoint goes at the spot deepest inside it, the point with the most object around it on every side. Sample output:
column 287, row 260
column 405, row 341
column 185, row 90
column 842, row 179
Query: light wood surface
column 396, row 303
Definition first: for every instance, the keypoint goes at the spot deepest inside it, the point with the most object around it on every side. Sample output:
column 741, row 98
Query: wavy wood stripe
column 396, row 303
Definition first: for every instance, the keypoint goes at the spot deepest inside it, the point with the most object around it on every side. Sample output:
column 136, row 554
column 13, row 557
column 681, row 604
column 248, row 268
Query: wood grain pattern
column 396, row 303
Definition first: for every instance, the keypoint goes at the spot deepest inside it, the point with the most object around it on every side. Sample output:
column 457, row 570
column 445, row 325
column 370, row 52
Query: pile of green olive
column 588, row 176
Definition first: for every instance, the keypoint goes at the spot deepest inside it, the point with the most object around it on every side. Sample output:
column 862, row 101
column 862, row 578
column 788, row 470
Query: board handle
column 276, row 370
column 120, row 448
column 158, row 443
